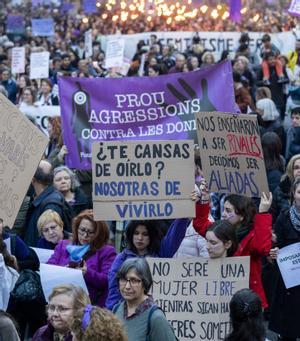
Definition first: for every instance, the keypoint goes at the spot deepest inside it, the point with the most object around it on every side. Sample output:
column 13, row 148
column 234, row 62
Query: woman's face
column 22, row 82
column 215, row 247
column 297, row 196
column 230, row 215
column 60, row 312
column 45, row 88
column 52, row 232
column 152, row 72
column 296, row 169
column 131, row 287
column 86, row 232
column 62, row 181
column 27, row 97
column 141, row 239
column 209, row 59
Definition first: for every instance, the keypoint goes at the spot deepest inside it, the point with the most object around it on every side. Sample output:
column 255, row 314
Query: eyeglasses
column 59, row 308
column 49, row 229
column 134, row 282
column 83, row 232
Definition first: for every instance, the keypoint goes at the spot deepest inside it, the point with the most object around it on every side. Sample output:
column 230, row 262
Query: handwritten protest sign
column 143, row 180
column 195, row 293
column 139, row 108
column 88, row 41
column 231, row 153
column 15, row 24
column 114, row 53
column 18, row 60
column 21, row 148
column 39, row 65
column 42, row 27
column 288, row 261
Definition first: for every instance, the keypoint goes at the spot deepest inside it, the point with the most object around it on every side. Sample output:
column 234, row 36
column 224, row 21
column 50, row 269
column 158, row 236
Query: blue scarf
column 295, row 218
column 76, row 252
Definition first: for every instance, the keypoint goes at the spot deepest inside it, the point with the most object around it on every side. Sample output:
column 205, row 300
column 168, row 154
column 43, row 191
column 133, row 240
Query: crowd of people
column 57, row 211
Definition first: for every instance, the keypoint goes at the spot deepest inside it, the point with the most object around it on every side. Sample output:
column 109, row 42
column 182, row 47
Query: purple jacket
column 168, row 247
column 98, row 265
column 46, row 332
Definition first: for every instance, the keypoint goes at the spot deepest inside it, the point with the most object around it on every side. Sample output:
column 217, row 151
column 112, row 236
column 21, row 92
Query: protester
column 145, row 238
column 65, row 181
column 94, row 323
column 286, row 302
column 10, row 85
column 246, row 317
column 293, row 135
column 46, row 96
column 138, row 312
column 253, row 230
column 51, row 230
column 89, row 252
column 60, row 310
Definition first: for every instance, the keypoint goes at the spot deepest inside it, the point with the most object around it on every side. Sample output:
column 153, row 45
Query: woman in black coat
column 286, row 302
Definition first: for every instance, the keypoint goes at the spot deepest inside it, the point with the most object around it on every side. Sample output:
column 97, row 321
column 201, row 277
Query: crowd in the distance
column 57, row 214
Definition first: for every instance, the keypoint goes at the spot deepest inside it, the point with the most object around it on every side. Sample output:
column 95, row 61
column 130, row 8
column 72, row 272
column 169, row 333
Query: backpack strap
column 116, row 307
column 13, row 244
column 152, row 310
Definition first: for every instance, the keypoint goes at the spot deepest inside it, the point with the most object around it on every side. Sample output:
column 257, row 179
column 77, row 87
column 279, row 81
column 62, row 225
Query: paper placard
column 39, row 65
column 114, row 53
column 54, row 275
column 195, row 293
column 288, row 261
column 21, row 148
column 15, row 24
column 231, row 153
column 42, row 27
column 7, row 242
column 18, row 60
column 43, row 254
column 88, row 44
column 143, row 180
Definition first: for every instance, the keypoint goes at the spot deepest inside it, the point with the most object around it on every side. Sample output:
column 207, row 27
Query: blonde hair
column 289, row 172
column 103, row 325
column 46, row 217
column 79, row 297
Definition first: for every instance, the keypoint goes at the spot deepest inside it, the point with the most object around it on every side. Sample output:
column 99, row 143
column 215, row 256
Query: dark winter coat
column 281, row 198
column 286, row 302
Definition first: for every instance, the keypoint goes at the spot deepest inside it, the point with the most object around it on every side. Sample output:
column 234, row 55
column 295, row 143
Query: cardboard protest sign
column 114, row 53
column 195, row 293
column 139, row 108
column 288, row 261
column 42, row 27
column 21, row 148
column 39, row 65
column 231, row 153
column 15, row 24
column 143, row 180
column 88, row 44
column 18, row 60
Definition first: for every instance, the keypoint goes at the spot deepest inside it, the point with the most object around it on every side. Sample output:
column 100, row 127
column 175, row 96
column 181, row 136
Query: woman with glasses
column 51, row 230
column 88, row 251
column 60, row 309
column 142, row 319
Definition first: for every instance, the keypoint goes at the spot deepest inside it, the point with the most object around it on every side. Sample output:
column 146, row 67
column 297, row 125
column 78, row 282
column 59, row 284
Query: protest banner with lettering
column 42, row 27
column 231, row 153
column 195, row 293
column 212, row 41
column 139, row 108
column 88, row 44
column 288, row 261
column 143, row 180
column 18, row 60
column 21, row 148
column 15, row 24
column 39, row 65
column 114, row 53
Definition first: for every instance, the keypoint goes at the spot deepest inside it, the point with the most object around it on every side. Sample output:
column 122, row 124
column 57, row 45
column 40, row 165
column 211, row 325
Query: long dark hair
column 154, row 232
column 272, row 147
column 243, row 206
column 8, row 259
column 246, row 317
column 225, row 231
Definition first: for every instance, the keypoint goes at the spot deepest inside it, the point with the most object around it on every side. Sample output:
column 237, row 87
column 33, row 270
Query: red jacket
column 256, row 244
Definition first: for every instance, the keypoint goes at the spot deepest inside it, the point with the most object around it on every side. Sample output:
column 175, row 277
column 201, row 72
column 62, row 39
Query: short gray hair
column 74, row 181
column 142, row 269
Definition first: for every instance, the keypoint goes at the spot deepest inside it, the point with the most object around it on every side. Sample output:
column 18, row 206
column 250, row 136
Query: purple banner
column 89, row 6
column 294, row 8
column 235, row 10
column 139, row 108
column 15, row 24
